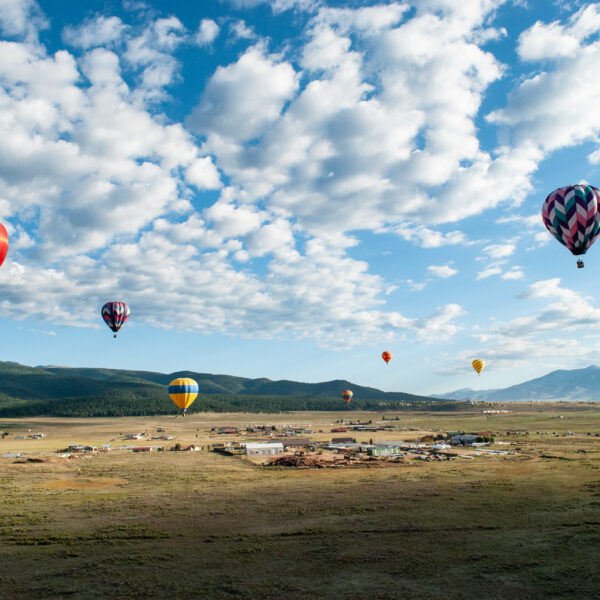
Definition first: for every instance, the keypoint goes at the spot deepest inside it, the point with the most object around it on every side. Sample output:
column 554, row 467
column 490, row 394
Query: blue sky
column 286, row 188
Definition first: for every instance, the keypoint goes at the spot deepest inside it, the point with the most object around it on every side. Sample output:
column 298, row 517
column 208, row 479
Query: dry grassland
column 201, row 525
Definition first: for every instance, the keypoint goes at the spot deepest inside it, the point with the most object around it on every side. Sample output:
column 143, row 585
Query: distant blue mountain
column 575, row 385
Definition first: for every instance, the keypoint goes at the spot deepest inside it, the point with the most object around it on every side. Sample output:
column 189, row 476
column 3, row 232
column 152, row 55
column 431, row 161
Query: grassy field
column 201, row 525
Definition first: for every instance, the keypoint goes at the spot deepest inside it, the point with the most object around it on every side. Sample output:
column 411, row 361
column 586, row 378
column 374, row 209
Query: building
column 339, row 430
column 227, row 430
column 384, row 451
column 260, row 448
column 296, row 443
column 134, row 436
column 142, row 449
column 463, row 440
column 342, row 440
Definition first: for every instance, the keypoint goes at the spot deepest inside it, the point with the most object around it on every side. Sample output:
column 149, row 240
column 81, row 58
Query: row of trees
column 129, row 402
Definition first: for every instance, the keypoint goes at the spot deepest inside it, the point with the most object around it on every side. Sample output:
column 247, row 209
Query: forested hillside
column 86, row 392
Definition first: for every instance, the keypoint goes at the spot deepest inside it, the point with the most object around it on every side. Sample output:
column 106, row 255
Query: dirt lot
column 202, row 525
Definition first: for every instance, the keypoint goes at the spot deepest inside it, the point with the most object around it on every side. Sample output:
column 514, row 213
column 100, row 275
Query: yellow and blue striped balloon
column 183, row 392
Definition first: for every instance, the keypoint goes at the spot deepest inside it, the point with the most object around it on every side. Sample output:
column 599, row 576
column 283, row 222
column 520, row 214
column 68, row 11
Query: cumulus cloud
column 556, row 108
column 443, row 271
column 99, row 31
column 367, row 123
column 496, row 251
column 489, row 271
column 534, row 335
column 207, row 32
column 427, row 237
column 242, row 99
column 21, row 18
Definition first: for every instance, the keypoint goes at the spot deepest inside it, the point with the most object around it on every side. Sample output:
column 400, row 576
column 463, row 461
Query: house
column 339, row 430
column 134, row 436
column 80, row 448
column 192, row 448
column 384, row 451
column 464, row 439
column 259, row 448
column 160, row 430
column 142, row 449
column 296, row 443
column 342, row 440
column 37, row 436
column 227, row 430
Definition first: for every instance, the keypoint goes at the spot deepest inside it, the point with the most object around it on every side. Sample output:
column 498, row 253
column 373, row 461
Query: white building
column 253, row 448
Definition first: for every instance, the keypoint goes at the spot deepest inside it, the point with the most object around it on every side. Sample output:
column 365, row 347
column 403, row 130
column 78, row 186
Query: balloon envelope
column 387, row 356
column 478, row 365
column 115, row 314
column 571, row 215
column 183, row 392
column 347, row 395
column 3, row 243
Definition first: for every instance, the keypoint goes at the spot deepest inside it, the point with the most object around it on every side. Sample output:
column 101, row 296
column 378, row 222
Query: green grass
column 201, row 525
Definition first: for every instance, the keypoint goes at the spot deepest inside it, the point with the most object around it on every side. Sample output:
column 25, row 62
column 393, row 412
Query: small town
column 344, row 443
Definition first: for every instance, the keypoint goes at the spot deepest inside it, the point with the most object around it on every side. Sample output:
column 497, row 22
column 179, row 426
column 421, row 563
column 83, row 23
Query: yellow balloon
column 478, row 365
column 183, row 392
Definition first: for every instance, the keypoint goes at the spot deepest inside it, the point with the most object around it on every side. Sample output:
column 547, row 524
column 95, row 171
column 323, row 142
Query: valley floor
column 202, row 525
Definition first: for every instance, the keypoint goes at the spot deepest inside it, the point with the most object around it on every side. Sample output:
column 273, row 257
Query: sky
column 287, row 188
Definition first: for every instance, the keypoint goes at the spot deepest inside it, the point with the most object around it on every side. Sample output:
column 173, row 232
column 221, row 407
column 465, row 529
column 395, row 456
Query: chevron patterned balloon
column 571, row 215
column 115, row 314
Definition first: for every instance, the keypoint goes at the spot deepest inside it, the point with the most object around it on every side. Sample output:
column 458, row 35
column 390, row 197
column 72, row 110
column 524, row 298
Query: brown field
column 202, row 525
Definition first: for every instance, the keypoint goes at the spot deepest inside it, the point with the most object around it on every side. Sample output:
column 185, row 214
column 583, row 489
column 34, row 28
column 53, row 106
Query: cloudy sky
column 286, row 188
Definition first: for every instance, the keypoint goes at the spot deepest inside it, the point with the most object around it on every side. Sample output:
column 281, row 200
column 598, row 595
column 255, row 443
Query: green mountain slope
column 63, row 391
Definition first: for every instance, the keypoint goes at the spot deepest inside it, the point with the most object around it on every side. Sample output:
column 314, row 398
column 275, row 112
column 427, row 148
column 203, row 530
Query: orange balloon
column 347, row 395
column 387, row 356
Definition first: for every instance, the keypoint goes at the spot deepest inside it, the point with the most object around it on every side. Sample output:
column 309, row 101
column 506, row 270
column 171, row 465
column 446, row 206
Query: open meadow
column 151, row 525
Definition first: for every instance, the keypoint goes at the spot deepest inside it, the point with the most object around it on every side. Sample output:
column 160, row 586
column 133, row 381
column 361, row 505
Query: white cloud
column 429, row 238
column 546, row 41
column 203, row 174
column 241, row 31
column 207, row 32
column 514, row 273
column 443, row 271
column 533, row 336
column 489, row 271
column 278, row 5
column 497, row 251
column 241, row 100
column 556, row 108
column 100, row 31
column 21, row 18
column 377, row 131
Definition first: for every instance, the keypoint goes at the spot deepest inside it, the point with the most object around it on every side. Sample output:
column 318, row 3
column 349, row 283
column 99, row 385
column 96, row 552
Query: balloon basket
column 580, row 264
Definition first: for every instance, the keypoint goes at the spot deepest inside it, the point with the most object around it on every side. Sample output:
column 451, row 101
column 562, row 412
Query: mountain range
column 575, row 385
column 64, row 391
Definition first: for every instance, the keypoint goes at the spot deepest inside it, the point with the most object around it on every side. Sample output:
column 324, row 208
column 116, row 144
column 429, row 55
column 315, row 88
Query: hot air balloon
column 478, row 365
column 347, row 395
column 183, row 392
column 115, row 314
column 387, row 356
column 3, row 243
column 571, row 215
